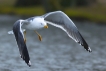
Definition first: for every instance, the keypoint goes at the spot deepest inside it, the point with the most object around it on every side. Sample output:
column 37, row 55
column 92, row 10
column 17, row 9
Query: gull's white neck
column 36, row 23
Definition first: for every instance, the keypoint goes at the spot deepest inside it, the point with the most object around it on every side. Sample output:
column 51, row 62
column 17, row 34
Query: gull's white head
column 40, row 23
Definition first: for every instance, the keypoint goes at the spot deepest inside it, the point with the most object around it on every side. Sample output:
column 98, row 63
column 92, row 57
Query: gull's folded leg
column 25, row 36
column 40, row 37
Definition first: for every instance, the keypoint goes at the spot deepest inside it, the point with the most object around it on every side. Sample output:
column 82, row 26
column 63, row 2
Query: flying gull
column 57, row 18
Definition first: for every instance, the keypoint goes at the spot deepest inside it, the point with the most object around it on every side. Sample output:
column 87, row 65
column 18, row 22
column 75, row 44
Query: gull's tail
column 10, row 32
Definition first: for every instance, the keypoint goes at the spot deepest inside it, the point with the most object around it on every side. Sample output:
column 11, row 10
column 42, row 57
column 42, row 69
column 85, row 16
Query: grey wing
column 20, row 42
column 61, row 20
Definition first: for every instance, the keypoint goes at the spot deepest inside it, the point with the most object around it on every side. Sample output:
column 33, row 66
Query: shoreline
column 6, row 17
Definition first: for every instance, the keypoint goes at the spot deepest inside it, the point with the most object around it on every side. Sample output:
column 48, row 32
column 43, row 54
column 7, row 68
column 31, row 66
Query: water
column 56, row 52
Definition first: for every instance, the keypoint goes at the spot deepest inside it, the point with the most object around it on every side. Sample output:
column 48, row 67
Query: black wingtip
column 89, row 49
column 29, row 64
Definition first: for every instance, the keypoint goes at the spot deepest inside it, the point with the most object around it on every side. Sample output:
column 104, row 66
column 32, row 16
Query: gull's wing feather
column 20, row 41
column 61, row 20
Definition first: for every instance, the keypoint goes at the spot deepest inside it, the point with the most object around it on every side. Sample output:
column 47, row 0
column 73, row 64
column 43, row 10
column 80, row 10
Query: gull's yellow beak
column 46, row 26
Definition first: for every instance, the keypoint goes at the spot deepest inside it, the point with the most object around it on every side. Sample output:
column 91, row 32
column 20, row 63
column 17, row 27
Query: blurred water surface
column 56, row 52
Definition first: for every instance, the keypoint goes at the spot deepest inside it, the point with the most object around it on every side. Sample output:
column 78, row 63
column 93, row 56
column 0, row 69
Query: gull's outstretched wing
column 61, row 20
column 20, row 41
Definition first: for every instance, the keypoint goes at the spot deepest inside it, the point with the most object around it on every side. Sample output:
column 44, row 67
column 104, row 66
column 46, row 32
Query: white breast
column 34, row 24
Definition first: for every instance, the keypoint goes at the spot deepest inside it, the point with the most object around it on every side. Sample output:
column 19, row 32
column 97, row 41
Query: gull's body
column 39, row 21
column 58, row 19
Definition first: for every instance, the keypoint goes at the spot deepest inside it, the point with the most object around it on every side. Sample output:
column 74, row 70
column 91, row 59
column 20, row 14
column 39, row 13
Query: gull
column 57, row 18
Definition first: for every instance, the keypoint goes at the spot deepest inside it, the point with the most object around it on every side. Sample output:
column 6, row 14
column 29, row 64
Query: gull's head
column 41, row 23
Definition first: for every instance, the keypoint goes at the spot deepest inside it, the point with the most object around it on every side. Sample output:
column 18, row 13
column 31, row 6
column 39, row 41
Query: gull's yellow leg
column 39, row 36
column 25, row 36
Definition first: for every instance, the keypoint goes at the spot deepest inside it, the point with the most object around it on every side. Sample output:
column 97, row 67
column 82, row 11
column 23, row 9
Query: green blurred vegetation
column 22, row 11
column 88, row 10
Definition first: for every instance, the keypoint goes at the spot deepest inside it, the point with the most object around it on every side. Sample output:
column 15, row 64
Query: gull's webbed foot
column 25, row 40
column 25, row 36
column 39, row 36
